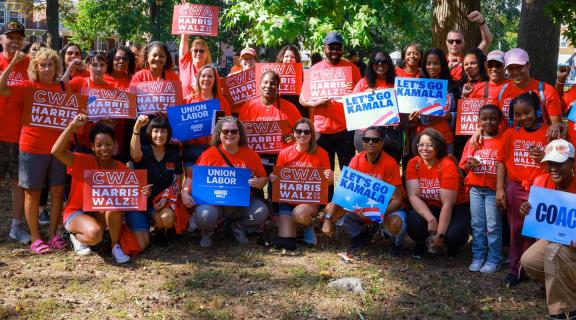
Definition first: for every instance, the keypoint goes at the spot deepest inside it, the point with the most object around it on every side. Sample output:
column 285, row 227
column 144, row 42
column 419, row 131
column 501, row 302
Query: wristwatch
column 328, row 216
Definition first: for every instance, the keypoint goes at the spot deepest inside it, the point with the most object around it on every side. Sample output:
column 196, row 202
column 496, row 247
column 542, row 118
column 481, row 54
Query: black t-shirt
column 160, row 173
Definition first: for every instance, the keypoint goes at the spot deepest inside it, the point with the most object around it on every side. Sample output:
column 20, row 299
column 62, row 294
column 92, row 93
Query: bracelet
column 482, row 23
column 562, row 83
column 136, row 133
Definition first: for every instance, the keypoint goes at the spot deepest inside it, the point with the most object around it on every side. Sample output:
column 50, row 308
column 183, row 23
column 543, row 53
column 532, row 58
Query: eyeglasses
column 121, row 58
column 496, row 65
column 229, row 131
column 198, row 50
column 371, row 139
column 304, row 132
column 380, row 61
column 454, row 41
column 425, row 145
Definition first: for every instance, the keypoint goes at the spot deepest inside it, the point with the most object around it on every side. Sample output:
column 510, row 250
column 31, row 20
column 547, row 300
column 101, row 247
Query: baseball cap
column 249, row 51
column 13, row 26
column 333, row 37
column 558, row 151
column 516, row 56
column 495, row 55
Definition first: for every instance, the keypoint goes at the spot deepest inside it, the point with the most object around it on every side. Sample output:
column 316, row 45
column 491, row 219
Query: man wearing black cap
column 12, row 40
column 329, row 119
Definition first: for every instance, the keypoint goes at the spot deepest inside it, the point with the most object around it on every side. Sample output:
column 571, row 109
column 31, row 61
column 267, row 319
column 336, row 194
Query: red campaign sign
column 114, row 190
column 330, row 83
column 51, row 109
column 156, row 96
column 113, row 104
column 267, row 136
column 296, row 185
column 290, row 76
column 239, row 87
column 467, row 115
column 195, row 19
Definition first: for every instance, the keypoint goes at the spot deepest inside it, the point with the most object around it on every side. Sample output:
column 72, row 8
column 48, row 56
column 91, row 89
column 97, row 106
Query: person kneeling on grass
column 378, row 164
column 86, row 228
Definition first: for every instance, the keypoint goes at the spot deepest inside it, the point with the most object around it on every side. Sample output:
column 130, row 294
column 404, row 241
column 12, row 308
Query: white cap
column 558, row 151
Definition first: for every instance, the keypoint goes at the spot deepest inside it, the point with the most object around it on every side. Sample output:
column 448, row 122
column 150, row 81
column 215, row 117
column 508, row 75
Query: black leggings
column 458, row 231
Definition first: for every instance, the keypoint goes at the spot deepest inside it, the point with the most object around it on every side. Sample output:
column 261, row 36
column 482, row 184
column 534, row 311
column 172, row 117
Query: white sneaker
column 119, row 254
column 19, row 234
column 476, row 265
column 490, row 267
column 80, row 248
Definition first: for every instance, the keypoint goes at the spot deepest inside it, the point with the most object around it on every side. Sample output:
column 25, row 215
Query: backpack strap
column 502, row 90
column 486, row 87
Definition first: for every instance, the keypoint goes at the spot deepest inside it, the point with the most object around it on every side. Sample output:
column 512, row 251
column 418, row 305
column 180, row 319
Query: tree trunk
column 539, row 36
column 453, row 15
column 53, row 24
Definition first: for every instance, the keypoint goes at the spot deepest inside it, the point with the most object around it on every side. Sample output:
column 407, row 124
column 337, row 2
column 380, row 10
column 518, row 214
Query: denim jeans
column 486, row 224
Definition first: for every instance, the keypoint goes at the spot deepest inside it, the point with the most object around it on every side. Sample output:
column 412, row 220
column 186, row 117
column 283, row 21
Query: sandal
column 40, row 247
column 57, row 243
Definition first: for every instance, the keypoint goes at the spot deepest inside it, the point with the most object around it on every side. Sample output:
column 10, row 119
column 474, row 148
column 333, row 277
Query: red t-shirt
column 82, row 73
column 569, row 102
column 34, row 139
column 255, row 110
column 243, row 158
column 484, row 174
column 385, row 169
column 119, row 83
column 544, row 181
column 224, row 106
column 188, row 72
column 552, row 101
column 456, row 72
column 520, row 166
column 291, row 157
column 362, row 85
column 440, row 124
column 145, row 75
column 479, row 89
column 401, row 72
column 81, row 162
column 330, row 118
column 443, row 175
column 11, row 114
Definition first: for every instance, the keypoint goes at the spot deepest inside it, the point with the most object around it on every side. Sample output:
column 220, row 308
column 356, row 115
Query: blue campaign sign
column 194, row 120
column 552, row 217
column 572, row 113
column 371, row 108
column 222, row 186
column 426, row 95
column 361, row 193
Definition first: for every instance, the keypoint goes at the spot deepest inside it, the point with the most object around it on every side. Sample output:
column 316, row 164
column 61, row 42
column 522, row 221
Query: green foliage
column 564, row 12
column 364, row 24
column 503, row 18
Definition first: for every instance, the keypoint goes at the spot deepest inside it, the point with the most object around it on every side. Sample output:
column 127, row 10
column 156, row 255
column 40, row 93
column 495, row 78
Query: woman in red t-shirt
column 411, row 57
column 156, row 64
column 229, row 145
column 37, row 167
column 69, row 53
column 304, row 153
column 290, row 54
column 440, row 212
column 87, row 228
column 121, row 68
column 192, row 59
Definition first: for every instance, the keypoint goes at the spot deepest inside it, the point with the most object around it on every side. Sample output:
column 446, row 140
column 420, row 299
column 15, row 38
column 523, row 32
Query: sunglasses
column 454, row 41
column 496, row 65
column 119, row 58
column 199, row 50
column 381, row 61
column 563, row 149
column 229, row 131
column 304, row 132
column 371, row 139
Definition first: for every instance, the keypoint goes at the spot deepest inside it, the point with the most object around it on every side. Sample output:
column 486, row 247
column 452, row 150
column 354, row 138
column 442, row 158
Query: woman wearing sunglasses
column 307, row 154
column 550, row 262
column 378, row 164
column 229, row 148
column 192, row 59
column 121, row 68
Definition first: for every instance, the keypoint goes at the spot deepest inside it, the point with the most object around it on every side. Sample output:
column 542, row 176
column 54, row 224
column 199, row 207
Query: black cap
column 333, row 37
column 13, row 26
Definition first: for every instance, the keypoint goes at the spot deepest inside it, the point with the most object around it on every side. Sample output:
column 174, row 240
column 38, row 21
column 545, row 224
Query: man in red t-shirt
column 12, row 40
column 455, row 44
column 329, row 119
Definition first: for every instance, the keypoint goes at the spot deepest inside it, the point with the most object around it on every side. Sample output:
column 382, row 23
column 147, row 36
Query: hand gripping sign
column 371, row 108
column 114, row 190
column 296, row 185
column 290, row 76
column 267, row 136
column 194, row 120
column 223, row 186
column 195, row 19
column 467, row 115
column 51, row 109
column 111, row 104
column 419, row 94
column 331, row 83
column 156, row 96
column 239, row 87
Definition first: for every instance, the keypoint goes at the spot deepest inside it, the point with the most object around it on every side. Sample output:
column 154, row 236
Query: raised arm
column 59, row 149
column 4, row 89
column 477, row 18
column 135, row 146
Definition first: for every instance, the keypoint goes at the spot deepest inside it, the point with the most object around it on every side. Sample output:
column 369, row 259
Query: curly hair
column 144, row 54
column 481, row 58
column 437, row 140
column 280, row 56
column 42, row 55
column 131, row 60
column 218, row 129
column 532, row 99
column 101, row 128
column 444, row 69
column 370, row 74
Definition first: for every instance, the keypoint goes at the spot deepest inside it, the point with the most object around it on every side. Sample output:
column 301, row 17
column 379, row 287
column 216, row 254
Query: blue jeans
column 486, row 225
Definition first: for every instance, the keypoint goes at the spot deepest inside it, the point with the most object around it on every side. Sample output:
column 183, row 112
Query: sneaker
column 19, row 234
column 310, row 236
column 44, row 218
column 80, row 248
column 419, row 251
column 512, row 280
column 239, row 233
column 490, row 267
column 119, row 254
column 476, row 265
column 206, row 239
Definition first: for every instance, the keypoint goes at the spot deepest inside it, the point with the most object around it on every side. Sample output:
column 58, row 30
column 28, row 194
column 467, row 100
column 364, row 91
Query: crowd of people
column 448, row 187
